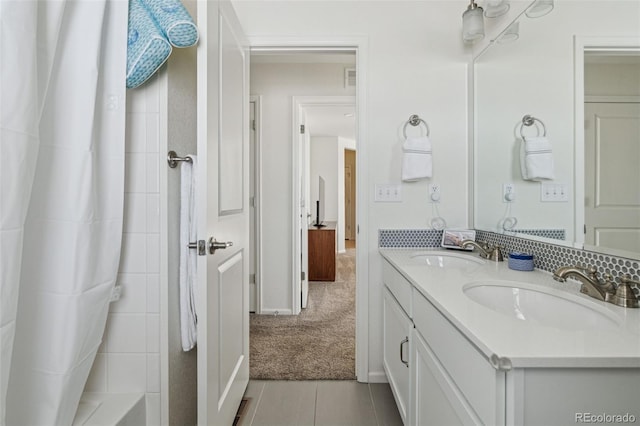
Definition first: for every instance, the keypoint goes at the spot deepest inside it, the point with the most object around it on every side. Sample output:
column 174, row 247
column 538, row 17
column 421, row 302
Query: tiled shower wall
column 129, row 358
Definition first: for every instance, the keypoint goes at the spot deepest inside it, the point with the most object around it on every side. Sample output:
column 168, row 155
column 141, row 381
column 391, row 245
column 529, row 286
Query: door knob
column 215, row 245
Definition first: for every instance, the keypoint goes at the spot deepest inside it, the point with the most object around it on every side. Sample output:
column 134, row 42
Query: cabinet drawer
column 477, row 380
column 397, row 285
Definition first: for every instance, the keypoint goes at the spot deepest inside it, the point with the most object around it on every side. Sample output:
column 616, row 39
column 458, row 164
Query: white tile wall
column 129, row 358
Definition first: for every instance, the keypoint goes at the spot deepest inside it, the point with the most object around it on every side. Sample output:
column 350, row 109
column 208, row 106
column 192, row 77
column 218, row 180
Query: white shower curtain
column 62, row 104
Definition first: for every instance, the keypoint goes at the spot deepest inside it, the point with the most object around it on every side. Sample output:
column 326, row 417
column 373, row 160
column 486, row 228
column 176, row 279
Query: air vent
column 350, row 77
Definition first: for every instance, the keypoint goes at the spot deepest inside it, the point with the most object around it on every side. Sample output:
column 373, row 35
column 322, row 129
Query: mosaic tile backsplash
column 556, row 234
column 547, row 257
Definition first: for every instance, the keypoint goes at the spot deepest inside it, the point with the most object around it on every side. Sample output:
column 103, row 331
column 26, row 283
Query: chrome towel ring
column 415, row 121
column 529, row 120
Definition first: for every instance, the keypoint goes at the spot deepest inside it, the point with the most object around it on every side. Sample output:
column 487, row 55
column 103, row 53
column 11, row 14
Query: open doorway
column 305, row 324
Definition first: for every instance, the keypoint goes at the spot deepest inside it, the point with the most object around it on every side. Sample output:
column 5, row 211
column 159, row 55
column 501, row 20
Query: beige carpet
column 318, row 344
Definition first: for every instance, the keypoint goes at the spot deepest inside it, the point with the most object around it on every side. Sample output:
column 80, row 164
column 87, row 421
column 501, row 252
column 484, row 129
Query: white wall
column 276, row 83
column 416, row 65
column 324, row 162
column 510, row 84
column 129, row 358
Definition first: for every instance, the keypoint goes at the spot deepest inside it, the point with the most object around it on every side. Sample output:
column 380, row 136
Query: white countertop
column 525, row 343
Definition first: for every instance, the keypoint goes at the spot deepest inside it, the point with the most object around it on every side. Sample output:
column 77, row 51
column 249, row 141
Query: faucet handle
column 626, row 279
column 607, row 283
column 624, row 295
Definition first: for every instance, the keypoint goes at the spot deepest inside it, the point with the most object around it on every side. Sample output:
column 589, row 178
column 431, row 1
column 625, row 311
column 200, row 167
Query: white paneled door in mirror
column 612, row 176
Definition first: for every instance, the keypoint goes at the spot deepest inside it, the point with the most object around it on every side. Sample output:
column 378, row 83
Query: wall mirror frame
column 577, row 41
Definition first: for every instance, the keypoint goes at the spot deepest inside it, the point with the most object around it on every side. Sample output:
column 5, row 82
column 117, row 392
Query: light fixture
column 472, row 23
column 511, row 34
column 495, row 8
column 539, row 8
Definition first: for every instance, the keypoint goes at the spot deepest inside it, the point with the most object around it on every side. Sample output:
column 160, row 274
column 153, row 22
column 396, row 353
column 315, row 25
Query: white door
column 304, row 162
column 223, row 213
column 612, row 175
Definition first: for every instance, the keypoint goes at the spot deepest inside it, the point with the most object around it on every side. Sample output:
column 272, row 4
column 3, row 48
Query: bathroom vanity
column 468, row 341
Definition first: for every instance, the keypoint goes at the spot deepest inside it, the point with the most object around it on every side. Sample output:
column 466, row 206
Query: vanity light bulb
column 473, row 25
column 495, row 8
column 539, row 8
column 511, row 34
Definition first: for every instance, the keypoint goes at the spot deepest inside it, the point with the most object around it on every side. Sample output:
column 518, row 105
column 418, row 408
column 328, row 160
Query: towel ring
column 529, row 120
column 414, row 120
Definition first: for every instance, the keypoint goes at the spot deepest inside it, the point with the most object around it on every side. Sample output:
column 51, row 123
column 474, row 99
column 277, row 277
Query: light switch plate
column 554, row 192
column 388, row 193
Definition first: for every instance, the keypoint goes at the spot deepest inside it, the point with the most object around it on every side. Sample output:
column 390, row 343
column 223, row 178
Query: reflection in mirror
column 612, row 150
column 536, row 75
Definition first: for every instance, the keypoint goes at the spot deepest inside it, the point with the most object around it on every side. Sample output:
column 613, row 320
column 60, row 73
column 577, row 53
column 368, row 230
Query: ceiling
column 331, row 121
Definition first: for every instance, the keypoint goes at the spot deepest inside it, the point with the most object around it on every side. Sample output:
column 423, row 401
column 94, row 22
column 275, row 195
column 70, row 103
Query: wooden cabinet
column 322, row 253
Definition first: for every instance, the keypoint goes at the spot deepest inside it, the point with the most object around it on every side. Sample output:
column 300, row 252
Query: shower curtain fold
column 62, row 122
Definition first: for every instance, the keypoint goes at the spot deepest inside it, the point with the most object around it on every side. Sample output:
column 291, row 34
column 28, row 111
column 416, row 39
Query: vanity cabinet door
column 436, row 398
column 397, row 328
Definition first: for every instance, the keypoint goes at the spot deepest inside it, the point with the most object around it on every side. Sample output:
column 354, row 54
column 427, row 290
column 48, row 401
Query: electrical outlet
column 554, row 192
column 434, row 193
column 388, row 193
column 508, row 193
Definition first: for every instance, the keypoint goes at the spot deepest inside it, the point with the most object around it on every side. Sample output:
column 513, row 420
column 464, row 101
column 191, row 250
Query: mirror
column 582, row 53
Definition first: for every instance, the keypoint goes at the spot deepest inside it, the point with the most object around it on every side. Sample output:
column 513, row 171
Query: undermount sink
column 537, row 305
column 445, row 259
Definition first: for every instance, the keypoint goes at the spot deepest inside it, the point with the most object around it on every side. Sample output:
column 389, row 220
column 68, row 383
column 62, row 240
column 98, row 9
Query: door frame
column 582, row 44
column 257, row 177
column 300, row 105
column 359, row 45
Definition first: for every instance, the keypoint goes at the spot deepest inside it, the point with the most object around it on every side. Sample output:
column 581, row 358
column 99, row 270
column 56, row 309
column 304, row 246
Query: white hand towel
column 536, row 159
column 188, row 257
column 417, row 161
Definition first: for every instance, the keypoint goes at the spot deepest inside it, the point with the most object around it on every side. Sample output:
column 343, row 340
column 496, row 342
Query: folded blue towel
column 174, row 20
column 147, row 48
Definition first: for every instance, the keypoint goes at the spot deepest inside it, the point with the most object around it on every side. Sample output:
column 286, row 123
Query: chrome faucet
column 601, row 289
column 487, row 252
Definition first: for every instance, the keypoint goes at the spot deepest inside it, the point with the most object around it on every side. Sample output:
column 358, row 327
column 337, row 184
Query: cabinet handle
column 406, row 340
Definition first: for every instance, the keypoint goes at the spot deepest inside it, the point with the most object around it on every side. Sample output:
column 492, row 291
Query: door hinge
column 303, row 275
column 357, row 229
column 302, row 129
column 253, row 124
column 252, row 201
column 252, row 278
column 585, row 228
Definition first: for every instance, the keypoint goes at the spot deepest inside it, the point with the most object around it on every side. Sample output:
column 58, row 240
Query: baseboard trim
column 377, row 377
column 276, row 312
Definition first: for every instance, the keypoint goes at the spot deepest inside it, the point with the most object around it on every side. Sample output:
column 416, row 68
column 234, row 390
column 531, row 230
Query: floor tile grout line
column 264, row 385
column 315, row 406
column 373, row 404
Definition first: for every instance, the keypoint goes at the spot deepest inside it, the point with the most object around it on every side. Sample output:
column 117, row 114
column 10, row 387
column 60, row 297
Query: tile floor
column 319, row 403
